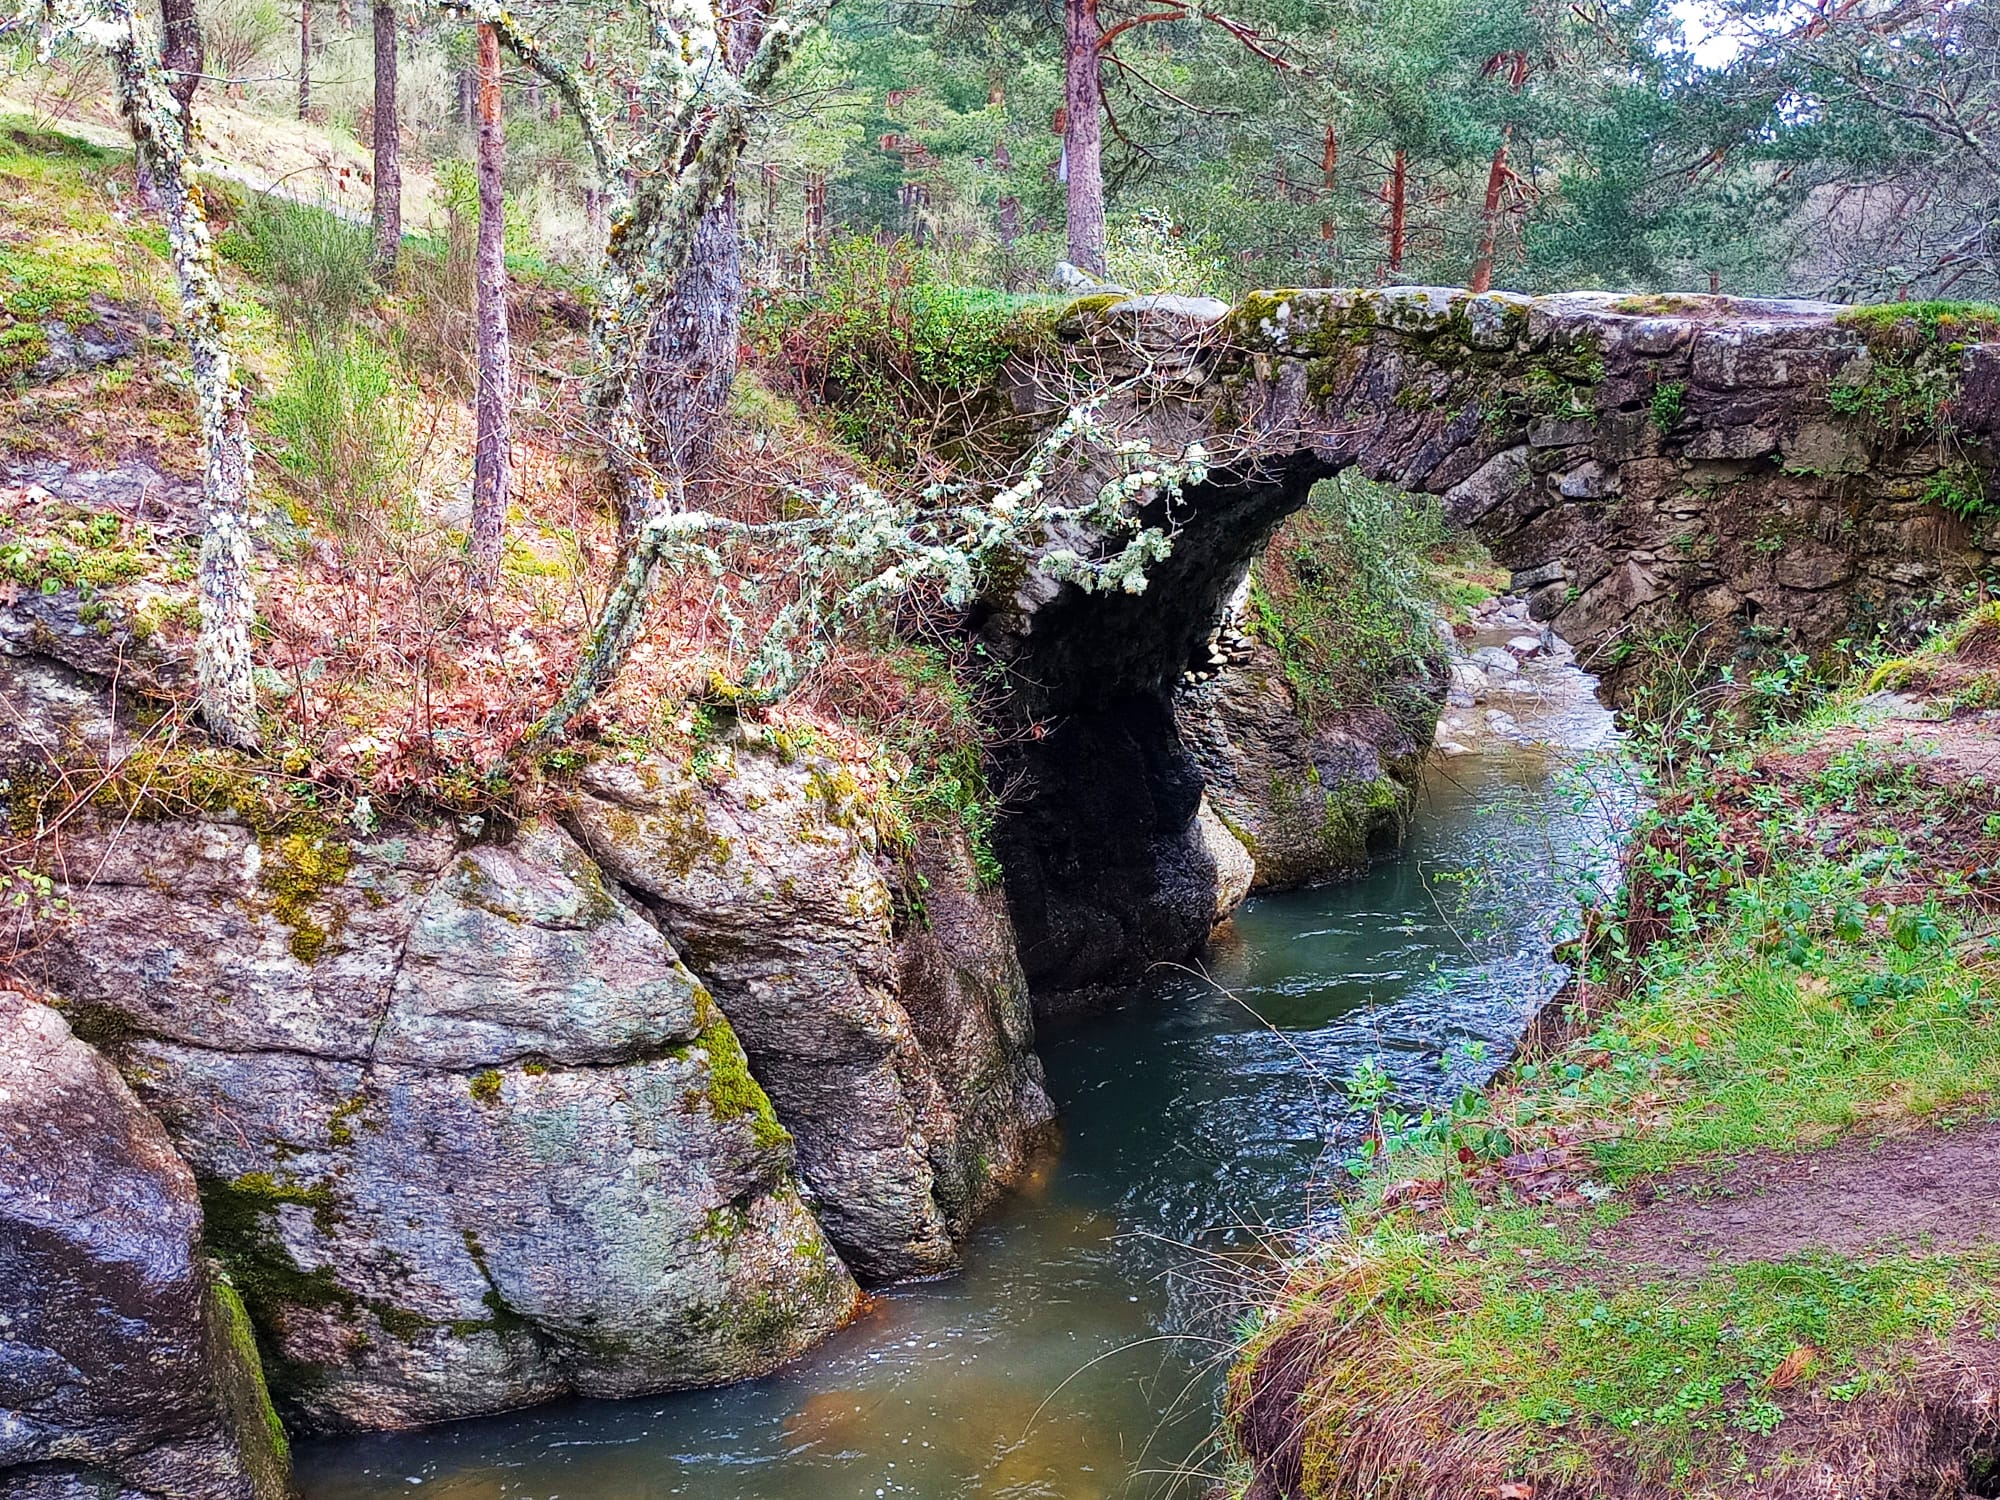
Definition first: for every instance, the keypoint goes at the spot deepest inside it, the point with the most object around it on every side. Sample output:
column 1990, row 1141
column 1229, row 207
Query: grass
column 1805, row 953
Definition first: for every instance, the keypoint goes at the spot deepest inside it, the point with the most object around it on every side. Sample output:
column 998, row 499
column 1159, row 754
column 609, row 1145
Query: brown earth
column 1926, row 1192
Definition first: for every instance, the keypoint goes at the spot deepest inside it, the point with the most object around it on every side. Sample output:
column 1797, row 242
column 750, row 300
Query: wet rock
column 882, row 1008
column 125, row 1369
column 468, row 1133
column 1309, row 800
column 1236, row 871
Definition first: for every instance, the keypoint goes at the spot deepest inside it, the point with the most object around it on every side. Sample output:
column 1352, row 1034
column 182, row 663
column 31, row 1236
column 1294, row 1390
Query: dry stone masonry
column 1780, row 475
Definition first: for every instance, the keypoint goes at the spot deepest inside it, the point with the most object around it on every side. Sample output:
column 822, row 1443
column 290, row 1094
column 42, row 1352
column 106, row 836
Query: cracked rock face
column 124, row 1369
column 468, row 1133
column 880, row 1002
column 1309, row 801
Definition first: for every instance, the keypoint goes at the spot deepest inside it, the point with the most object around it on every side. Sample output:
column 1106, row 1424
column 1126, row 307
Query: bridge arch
column 1784, row 473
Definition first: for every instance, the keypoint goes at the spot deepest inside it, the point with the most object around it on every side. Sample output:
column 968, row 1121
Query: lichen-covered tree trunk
column 160, row 126
column 693, row 347
column 388, row 201
column 1083, row 136
column 691, row 358
column 495, row 436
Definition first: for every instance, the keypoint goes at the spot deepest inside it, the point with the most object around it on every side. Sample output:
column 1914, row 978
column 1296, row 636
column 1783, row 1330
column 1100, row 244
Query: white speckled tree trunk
column 162, row 134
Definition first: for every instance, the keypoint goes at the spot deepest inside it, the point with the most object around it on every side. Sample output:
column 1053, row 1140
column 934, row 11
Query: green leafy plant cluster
column 897, row 356
column 1912, row 383
column 1348, row 593
column 98, row 550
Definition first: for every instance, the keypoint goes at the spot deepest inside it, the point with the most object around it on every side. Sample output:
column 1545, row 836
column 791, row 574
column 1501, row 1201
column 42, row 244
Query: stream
column 1080, row 1355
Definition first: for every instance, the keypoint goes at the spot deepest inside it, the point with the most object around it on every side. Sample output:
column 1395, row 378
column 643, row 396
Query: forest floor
column 384, row 673
column 1731, row 1230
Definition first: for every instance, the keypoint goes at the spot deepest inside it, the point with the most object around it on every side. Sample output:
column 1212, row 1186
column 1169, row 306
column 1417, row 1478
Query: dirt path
column 1929, row 1191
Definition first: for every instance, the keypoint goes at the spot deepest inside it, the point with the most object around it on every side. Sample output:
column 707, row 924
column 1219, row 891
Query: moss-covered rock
column 129, row 1369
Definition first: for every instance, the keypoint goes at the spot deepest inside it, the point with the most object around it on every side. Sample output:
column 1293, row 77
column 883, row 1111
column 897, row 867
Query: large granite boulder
column 1311, row 798
column 126, row 1371
column 879, row 998
column 468, row 1132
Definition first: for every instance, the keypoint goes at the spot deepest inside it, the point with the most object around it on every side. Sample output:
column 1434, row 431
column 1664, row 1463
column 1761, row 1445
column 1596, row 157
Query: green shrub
column 318, row 265
column 897, row 356
column 339, row 417
column 1349, row 591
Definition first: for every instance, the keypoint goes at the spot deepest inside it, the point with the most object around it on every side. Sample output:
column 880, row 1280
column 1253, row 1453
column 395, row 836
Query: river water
column 1080, row 1354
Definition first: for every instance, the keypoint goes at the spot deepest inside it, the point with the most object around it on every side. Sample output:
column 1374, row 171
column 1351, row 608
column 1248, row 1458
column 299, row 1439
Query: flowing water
column 1080, row 1353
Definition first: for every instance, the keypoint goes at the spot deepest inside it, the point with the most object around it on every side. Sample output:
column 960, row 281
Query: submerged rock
column 125, row 1370
column 879, row 999
column 469, row 1134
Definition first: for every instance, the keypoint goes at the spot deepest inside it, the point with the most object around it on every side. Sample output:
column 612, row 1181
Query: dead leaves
column 1793, row 1368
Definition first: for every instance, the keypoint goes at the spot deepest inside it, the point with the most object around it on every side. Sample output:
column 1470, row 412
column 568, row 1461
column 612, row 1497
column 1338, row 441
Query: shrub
column 900, row 358
column 318, row 264
column 1348, row 592
column 339, row 415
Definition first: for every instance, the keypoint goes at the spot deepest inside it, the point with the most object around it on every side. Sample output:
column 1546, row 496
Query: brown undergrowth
column 387, row 680
column 1728, row 1231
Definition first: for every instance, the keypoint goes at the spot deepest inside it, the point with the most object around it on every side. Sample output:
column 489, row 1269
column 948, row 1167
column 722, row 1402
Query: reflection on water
column 1079, row 1356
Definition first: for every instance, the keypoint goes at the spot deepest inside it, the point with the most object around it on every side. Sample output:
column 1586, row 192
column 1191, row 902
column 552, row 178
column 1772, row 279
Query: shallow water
column 1079, row 1355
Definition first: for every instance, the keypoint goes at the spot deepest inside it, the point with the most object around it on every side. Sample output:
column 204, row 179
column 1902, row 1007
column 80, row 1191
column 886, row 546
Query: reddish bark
column 1396, row 192
column 1083, row 136
column 1329, row 169
column 1489, row 220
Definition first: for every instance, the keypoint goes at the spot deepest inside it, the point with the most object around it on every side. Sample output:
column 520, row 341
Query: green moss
column 298, row 870
column 1661, row 305
column 240, row 1215
column 48, row 281
column 485, row 1087
column 732, row 1093
column 240, row 1382
column 22, row 347
column 340, row 1126
column 1893, row 326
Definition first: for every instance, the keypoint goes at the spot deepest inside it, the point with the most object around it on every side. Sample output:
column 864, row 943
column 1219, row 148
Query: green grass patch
column 1818, row 972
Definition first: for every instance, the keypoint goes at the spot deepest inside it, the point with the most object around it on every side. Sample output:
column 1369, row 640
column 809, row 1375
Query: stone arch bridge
column 1783, row 473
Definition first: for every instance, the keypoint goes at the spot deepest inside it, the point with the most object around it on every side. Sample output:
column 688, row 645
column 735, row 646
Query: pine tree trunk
column 1489, row 221
column 305, row 58
column 388, row 207
column 495, row 386
column 1398, row 194
column 1083, row 136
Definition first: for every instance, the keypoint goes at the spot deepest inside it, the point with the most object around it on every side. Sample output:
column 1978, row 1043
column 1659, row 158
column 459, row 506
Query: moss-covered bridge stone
column 1778, row 474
